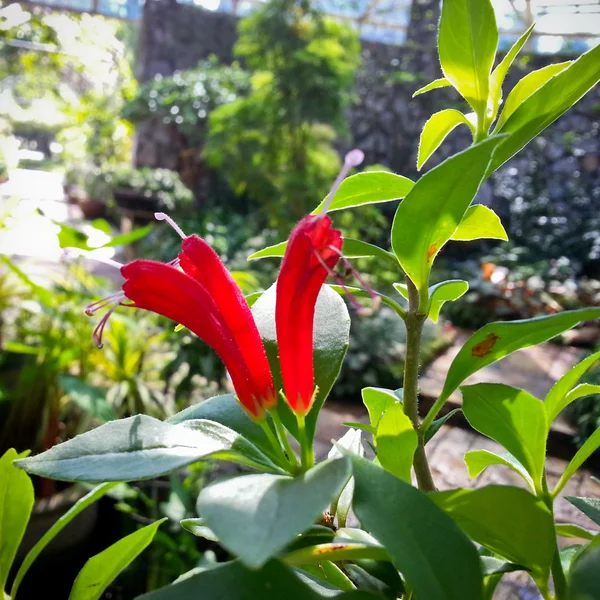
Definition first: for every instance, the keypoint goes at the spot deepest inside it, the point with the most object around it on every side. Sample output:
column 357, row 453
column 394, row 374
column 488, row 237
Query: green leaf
column 257, row 516
column 499, row 74
column 509, row 521
column 129, row 238
column 584, row 583
column 102, row 569
column 336, row 551
column 480, row 222
column 437, row 425
column 42, row 294
column 511, row 417
column 377, row 400
column 558, row 397
column 589, row 447
column 197, row 527
column 361, row 426
column 331, row 574
column 435, row 131
column 351, row 248
column 526, row 87
column 90, row 399
column 362, row 293
column 468, row 38
column 478, row 460
column 434, row 208
column 232, row 580
column 71, row 237
column 573, row 531
column 495, row 566
column 142, row 447
column 331, row 339
column 567, row 555
column 16, row 502
column 229, row 412
column 446, row 291
column 590, row 507
column 56, row 528
column 548, row 103
column 434, row 85
column 370, row 187
column 434, row 556
column 499, row 339
column 396, row 441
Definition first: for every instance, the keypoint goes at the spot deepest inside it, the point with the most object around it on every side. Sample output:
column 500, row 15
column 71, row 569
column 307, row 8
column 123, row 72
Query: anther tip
column 160, row 216
column 89, row 312
column 354, row 158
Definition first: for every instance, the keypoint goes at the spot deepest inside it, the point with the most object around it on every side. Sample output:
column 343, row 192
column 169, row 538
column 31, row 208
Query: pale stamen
column 99, row 331
column 351, row 160
column 90, row 309
column 160, row 216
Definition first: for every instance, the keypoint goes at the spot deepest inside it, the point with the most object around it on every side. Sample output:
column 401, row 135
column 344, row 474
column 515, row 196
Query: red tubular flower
column 204, row 297
column 313, row 250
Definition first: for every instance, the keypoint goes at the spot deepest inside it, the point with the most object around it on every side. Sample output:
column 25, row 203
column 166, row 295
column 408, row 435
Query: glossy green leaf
column 142, row 447
column 229, row 412
column 336, row 551
column 351, row 248
column 437, row 425
column 583, row 580
column 558, row 397
column 499, row 73
column 56, row 528
column 16, row 502
column 499, row 339
column 377, row 400
column 568, row 554
column 511, row 417
column 433, row 209
column 573, row 531
column 509, row 521
column 442, row 82
column 543, row 107
column 478, row 460
column 102, row 569
column 396, row 441
column 525, row 88
column 480, row 222
column 433, row 554
column 370, row 187
column 446, row 291
column 331, row 339
column 468, row 38
column 590, row 507
column 495, row 566
column 257, row 516
column 198, row 528
column 435, row 131
column 232, row 580
column 589, row 447
column 330, row 573
column 90, row 399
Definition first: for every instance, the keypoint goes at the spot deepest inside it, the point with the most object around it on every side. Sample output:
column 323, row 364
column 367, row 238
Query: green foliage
column 276, row 143
column 186, row 99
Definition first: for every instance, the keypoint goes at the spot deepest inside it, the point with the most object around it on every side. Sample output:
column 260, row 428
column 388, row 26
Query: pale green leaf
column 511, row 417
column 442, row 82
column 583, row 580
column 377, row 401
column 435, row 131
column 396, row 441
column 478, row 460
column 369, row 187
column 446, row 291
column 499, row 73
column 467, row 43
column 102, row 569
column 569, row 530
column 434, row 208
column 589, row 447
column 590, row 507
column 480, row 222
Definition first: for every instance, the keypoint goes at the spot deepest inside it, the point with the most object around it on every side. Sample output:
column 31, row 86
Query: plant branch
column 414, row 328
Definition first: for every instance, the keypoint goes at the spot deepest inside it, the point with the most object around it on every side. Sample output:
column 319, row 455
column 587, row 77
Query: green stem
column 282, row 434
column 432, row 414
column 306, row 448
column 414, row 328
column 282, row 459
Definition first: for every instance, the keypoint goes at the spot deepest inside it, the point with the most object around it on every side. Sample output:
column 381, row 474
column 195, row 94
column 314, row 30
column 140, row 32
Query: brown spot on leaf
column 330, row 548
column 484, row 348
column 432, row 250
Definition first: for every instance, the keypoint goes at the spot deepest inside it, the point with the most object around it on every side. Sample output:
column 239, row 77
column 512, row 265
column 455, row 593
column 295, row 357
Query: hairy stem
column 414, row 329
column 282, row 434
column 282, row 460
column 306, row 447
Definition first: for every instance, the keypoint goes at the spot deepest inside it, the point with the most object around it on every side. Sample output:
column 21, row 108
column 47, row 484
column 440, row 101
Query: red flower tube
column 312, row 252
column 204, row 297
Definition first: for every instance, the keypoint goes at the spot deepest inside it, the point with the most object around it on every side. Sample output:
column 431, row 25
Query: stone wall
column 561, row 167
